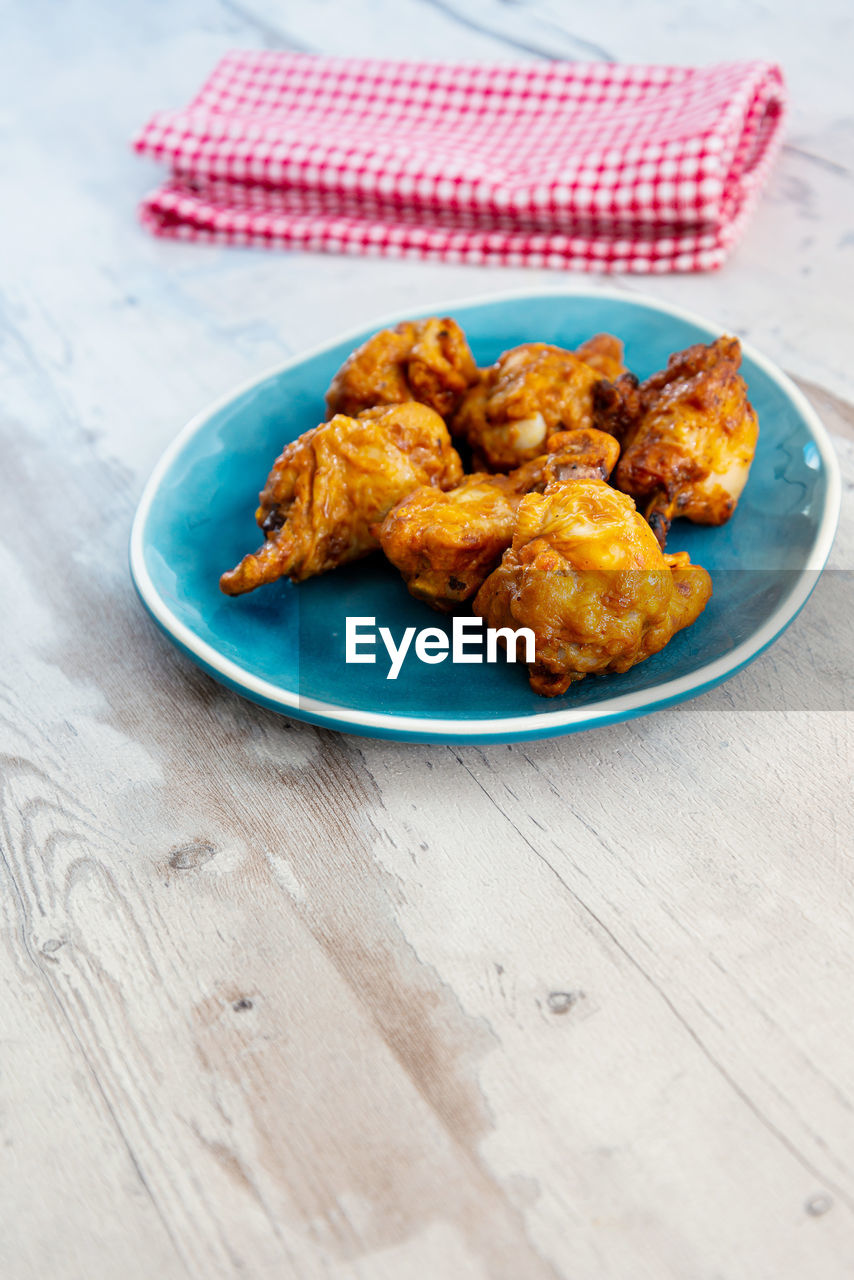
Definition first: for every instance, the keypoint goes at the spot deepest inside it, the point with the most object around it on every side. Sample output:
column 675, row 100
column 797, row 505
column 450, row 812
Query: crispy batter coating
column 617, row 405
column 446, row 544
column 530, row 392
column 328, row 488
column 587, row 454
column 586, row 575
column 690, row 449
column 424, row 360
column 604, row 353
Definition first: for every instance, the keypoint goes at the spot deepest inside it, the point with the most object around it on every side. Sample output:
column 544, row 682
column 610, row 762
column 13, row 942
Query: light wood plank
column 281, row 1003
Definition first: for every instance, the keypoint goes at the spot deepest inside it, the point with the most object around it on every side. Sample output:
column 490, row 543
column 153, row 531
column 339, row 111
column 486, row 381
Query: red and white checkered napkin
column 586, row 166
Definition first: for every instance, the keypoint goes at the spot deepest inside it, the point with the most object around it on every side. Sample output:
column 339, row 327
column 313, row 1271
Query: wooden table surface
column 280, row 1003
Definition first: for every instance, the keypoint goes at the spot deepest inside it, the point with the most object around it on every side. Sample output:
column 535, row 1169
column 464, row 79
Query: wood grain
column 280, row 1003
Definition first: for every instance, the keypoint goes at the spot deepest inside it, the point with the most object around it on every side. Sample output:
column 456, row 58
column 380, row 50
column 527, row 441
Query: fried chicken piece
column 689, row 452
column 446, row 544
column 586, row 575
column 586, row 454
column 329, row 487
column 617, row 405
column 529, row 393
column 424, row 360
column 604, row 353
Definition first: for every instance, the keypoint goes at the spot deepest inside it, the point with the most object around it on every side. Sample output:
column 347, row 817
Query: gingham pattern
column 585, row 166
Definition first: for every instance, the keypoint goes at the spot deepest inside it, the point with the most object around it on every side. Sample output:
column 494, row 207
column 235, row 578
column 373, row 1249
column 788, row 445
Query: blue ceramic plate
column 283, row 646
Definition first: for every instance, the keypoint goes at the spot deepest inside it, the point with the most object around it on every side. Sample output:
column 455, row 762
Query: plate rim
column 545, row 723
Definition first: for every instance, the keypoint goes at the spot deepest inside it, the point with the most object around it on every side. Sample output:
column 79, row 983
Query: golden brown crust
column 586, row 575
column 604, row 353
column 691, row 446
column 328, row 488
column 529, row 393
column 446, row 544
column 587, row 454
column 617, row 406
column 424, row 360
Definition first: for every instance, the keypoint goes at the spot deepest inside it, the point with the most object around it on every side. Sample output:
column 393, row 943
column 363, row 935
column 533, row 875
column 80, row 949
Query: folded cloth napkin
column 588, row 166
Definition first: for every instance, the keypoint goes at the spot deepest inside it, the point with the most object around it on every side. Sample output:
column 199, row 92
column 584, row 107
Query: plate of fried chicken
column 643, row 499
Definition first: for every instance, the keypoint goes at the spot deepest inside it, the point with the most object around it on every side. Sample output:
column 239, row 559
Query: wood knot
column 241, row 1004
column 563, row 1001
column 188, row 857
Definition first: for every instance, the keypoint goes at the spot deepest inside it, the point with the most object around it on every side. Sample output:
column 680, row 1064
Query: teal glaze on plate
column 283, row 646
